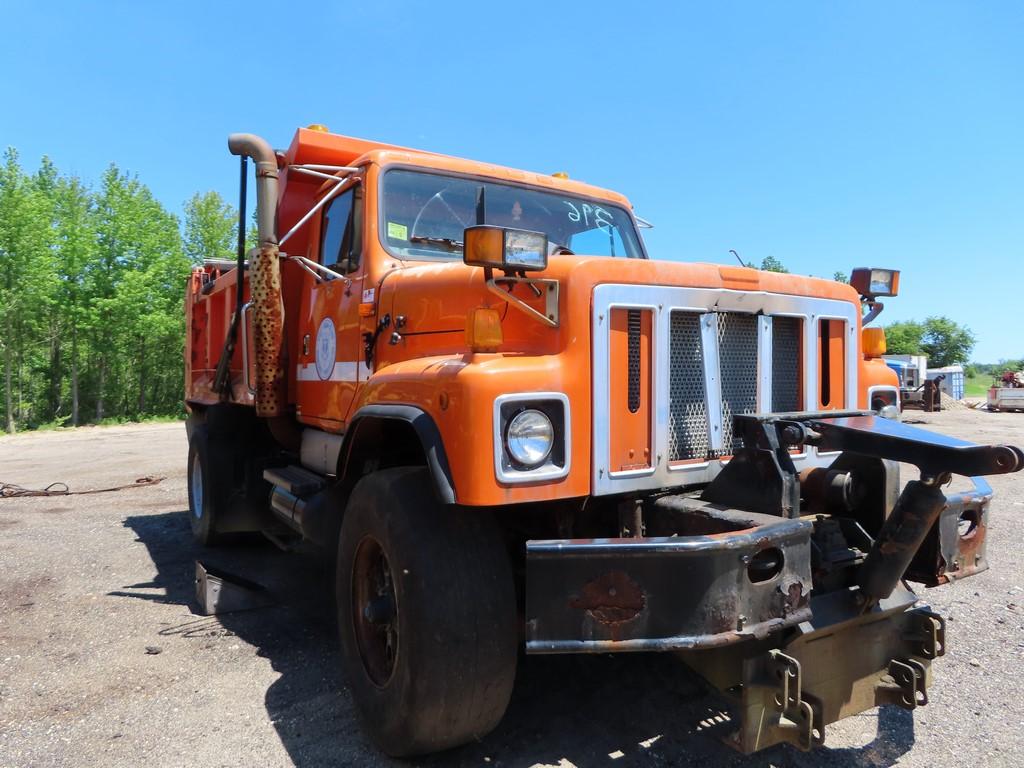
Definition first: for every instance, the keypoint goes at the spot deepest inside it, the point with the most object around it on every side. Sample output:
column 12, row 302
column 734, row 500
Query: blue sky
column 827, row 134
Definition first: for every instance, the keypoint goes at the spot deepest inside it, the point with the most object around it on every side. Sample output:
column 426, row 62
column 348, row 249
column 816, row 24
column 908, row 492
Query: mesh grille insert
column 737, row 359
column 785, row 364
column 687, row 413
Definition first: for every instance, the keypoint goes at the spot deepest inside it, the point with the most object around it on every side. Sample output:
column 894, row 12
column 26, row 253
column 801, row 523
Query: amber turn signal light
column 873, row 341
column 483, row 330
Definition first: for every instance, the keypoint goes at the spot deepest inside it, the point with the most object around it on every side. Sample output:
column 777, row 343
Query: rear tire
column 204, row 490
column 426, row 614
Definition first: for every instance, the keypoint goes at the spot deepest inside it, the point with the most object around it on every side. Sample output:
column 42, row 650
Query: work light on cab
column 513, row 250
column 870, row 282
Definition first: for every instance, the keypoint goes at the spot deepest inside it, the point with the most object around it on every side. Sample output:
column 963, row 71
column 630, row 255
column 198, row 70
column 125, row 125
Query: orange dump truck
column 519, row 432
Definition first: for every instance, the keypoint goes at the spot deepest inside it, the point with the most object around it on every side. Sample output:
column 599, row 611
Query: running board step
column 298, row 481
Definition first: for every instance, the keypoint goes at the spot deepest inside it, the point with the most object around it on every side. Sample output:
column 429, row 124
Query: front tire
column 426, row 613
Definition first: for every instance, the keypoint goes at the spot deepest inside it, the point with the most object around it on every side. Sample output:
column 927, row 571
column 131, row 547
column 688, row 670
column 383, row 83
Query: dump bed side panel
column 209, row 307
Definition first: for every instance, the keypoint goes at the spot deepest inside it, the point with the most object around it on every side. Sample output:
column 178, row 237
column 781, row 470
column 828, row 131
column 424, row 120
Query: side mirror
column 513, row 250
column 870, row 282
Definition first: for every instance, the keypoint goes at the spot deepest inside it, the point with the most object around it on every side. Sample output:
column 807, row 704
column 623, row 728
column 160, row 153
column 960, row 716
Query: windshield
column 424, row 215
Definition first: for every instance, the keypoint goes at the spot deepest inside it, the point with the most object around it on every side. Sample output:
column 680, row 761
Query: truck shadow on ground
column 621, row 710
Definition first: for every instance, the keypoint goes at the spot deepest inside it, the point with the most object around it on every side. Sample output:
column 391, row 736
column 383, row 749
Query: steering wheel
column 439, row 195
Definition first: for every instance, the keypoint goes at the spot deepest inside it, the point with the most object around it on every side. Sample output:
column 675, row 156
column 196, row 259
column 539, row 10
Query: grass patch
column 114, row 421
column 977, row 385
column 117, row 421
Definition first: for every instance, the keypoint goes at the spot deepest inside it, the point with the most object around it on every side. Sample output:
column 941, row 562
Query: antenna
column 737, row 257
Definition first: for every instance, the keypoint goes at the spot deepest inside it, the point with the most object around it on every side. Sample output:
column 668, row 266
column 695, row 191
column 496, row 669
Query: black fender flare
column 426, row 430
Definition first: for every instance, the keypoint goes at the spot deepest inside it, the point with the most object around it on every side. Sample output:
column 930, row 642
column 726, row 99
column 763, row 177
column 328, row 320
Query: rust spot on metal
column 722, row 614
column 794, row 597
column 611, row 599
column 969, row 553
column 268, row 331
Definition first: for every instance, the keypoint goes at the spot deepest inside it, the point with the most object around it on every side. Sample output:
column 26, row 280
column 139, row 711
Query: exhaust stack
column 265, row 277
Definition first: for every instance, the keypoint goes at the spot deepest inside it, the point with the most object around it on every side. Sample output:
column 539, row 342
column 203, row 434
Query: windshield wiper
column 450, row 243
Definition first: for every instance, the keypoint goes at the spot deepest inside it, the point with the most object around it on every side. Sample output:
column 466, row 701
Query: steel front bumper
column 670, row 593
column 790, row 663
column 692, row 592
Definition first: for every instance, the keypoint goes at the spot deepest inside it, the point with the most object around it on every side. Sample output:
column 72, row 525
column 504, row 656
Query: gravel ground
column 103, row 662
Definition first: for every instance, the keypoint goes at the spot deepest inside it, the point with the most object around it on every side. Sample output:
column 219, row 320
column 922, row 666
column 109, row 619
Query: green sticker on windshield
column 398, row 231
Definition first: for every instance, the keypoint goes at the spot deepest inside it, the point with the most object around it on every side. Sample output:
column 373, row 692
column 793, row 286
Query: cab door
column 331, row 360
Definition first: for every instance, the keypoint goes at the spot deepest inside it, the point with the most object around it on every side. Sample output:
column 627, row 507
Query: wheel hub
column 375, row 611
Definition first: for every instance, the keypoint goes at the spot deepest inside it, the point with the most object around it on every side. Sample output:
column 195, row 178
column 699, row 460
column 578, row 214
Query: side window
column 341, row 231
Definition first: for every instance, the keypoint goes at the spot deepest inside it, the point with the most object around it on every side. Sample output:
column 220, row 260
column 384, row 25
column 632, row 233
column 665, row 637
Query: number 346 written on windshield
column 589, row 213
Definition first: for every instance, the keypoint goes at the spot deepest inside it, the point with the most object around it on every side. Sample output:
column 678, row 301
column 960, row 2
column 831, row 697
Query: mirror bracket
column 546, row 286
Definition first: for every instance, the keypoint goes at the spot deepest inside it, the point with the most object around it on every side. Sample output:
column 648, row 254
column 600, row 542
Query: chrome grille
column 687, row 413
column 785, row 364
column 737, row 359
column 707, row 355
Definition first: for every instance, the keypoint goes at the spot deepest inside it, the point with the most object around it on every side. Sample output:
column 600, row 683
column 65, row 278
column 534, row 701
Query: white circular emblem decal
column 326, row 348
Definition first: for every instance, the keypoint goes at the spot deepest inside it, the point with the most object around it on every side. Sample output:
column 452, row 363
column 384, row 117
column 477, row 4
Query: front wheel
column 426, row 613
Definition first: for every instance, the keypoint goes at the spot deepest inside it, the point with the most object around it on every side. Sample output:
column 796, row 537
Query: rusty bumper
column 667, row 593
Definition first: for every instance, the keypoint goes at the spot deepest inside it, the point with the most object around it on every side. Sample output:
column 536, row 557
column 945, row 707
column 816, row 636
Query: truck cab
column 518, row 431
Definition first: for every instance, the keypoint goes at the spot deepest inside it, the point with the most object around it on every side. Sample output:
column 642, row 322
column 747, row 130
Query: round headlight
column 889, row 412
column 529, row 437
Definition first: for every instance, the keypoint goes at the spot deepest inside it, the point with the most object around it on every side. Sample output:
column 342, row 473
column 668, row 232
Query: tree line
column 92, row 285
column 944, row 341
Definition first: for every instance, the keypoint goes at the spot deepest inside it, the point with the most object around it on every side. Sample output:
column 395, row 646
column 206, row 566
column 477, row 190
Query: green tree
column 252, row 232
column 91, row 283
column 135, row 284
column 117, row 221
column 946, row 342
column 210, row 228
column 48, row 397
column 840, row 277
column 75, row 249
column 771, row 264
column 26, row 274
column 904, row 338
